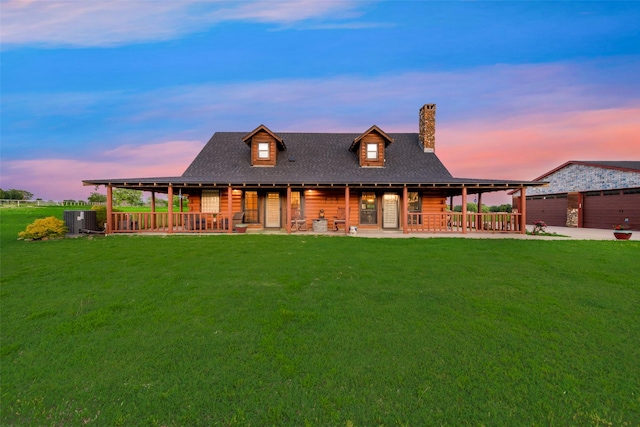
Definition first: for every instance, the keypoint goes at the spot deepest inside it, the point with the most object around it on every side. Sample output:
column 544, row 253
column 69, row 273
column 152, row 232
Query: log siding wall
column 328, row 200
column 259, row 137
column 372, row 138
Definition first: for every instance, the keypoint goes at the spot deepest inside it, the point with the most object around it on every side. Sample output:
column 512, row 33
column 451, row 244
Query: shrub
column 44, row 228
column 101, row 214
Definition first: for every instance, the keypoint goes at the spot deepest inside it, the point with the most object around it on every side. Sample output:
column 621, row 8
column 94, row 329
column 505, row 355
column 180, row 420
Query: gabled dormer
column 371, row 146
column 264, row 146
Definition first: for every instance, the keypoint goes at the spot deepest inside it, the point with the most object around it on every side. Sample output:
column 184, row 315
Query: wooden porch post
column 230, row 209
column 580, row 211
column 153, row 210
column 346, row 210
column 405, row 210
column 109, row 229
column 464, row 210
column 170, row 205
column 523, row 209
column 480, row 224
column 288, row 228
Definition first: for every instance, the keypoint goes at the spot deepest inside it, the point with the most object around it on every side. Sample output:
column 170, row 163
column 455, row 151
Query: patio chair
column 339, row 219
column 238, row 217
column 298, row 223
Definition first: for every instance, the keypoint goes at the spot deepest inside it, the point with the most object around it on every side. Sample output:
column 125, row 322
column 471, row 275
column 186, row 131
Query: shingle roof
column 322, row 158
column 314, row 158
column 629, row 165
column 625, row 165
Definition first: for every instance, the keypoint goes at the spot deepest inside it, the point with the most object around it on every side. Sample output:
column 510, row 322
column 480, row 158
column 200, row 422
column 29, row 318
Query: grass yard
column 320, row 331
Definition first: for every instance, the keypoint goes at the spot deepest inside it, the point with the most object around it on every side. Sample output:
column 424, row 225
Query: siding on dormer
column 259, row 137
column 372, row 138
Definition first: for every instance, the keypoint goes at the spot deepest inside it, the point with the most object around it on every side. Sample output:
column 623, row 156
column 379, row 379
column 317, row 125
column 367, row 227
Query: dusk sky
column 124, row 89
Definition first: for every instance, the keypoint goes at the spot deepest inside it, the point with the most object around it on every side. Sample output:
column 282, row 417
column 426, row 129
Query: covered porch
column 401, row 208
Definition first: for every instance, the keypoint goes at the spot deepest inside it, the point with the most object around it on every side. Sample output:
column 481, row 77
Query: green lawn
column 322, row 331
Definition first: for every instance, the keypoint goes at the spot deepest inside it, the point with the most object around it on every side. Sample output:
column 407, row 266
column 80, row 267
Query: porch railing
column 183, row 222
column 454, row 221
column 198, row 222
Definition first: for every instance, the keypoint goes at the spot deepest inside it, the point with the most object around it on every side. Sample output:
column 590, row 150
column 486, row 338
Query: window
column 210, row 201
column 414, row 201
column 414, row 206
column 250, row 207
column 296, row 201
column 263, row 150
column 368, row 210
column 372, row 151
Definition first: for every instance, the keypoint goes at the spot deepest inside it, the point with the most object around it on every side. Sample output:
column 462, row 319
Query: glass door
column 272, row 213
column 368, row 208
column 390, row 210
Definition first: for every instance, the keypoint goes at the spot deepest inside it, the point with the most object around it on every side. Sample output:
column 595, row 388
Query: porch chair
column 339, row 219
column 298, row 223
column 238, row 217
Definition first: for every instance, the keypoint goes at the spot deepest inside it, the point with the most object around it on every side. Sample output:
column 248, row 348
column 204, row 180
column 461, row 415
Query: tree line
column 14, row 194
column 129, row 197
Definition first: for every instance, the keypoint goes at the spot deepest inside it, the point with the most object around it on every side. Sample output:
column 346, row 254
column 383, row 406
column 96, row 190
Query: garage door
column 604, row 209
column 550, row 209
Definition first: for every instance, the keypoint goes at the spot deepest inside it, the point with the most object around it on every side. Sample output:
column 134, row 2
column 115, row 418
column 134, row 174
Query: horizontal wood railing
column 158, row 222
column 453, row 222
column 198, row 222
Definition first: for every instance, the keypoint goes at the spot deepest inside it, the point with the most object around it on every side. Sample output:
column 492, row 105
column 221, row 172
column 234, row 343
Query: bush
column 101, row 214
column 44, row 228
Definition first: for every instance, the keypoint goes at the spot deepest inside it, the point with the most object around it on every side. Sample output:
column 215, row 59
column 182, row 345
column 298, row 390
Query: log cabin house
column 335, row 181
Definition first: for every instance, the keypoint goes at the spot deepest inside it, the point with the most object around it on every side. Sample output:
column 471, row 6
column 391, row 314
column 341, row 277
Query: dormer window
column 372, row 151
column 264, row 146
column 263, row 150
column 371, row 147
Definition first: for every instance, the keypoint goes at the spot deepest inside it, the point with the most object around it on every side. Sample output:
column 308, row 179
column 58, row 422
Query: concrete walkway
column 570, row 233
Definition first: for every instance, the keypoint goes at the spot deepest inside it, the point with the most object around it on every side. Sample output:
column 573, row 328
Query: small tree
column 101, row 214
column 14, row 194
column 501, row 208
column 159, row 202
column 185, row 200
column 471, row 207
column 126, row 196
column 97, row 198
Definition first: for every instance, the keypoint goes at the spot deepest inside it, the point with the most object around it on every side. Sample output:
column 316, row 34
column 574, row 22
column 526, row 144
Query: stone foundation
column 572, row 218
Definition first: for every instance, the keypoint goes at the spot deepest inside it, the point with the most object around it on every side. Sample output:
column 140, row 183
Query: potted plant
column 241, row 228
column 621, row 231
column 539, row 227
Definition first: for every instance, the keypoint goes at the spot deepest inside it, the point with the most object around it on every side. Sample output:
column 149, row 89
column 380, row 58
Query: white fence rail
column 13, row 202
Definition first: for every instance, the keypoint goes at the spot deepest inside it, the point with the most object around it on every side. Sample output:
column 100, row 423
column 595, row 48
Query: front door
column 272, row 215
column 390, row 210
column 368, row 209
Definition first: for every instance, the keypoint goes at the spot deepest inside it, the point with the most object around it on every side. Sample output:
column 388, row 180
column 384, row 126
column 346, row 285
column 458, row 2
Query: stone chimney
column 427, row 135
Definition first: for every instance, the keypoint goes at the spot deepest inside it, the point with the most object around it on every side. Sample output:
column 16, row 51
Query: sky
column 123, row 89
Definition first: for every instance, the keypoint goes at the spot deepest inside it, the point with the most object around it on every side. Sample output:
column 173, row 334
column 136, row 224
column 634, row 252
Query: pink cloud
column 59, row 179
column 522, row 148
column 525, row 147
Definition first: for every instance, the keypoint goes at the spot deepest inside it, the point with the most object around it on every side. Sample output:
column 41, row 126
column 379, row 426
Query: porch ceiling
column 452, row 187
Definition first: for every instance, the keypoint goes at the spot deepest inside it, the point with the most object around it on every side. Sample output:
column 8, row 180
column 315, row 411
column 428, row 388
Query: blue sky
column 97, row 89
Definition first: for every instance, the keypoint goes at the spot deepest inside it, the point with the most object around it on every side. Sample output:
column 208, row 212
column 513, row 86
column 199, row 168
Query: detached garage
column 587, row 194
